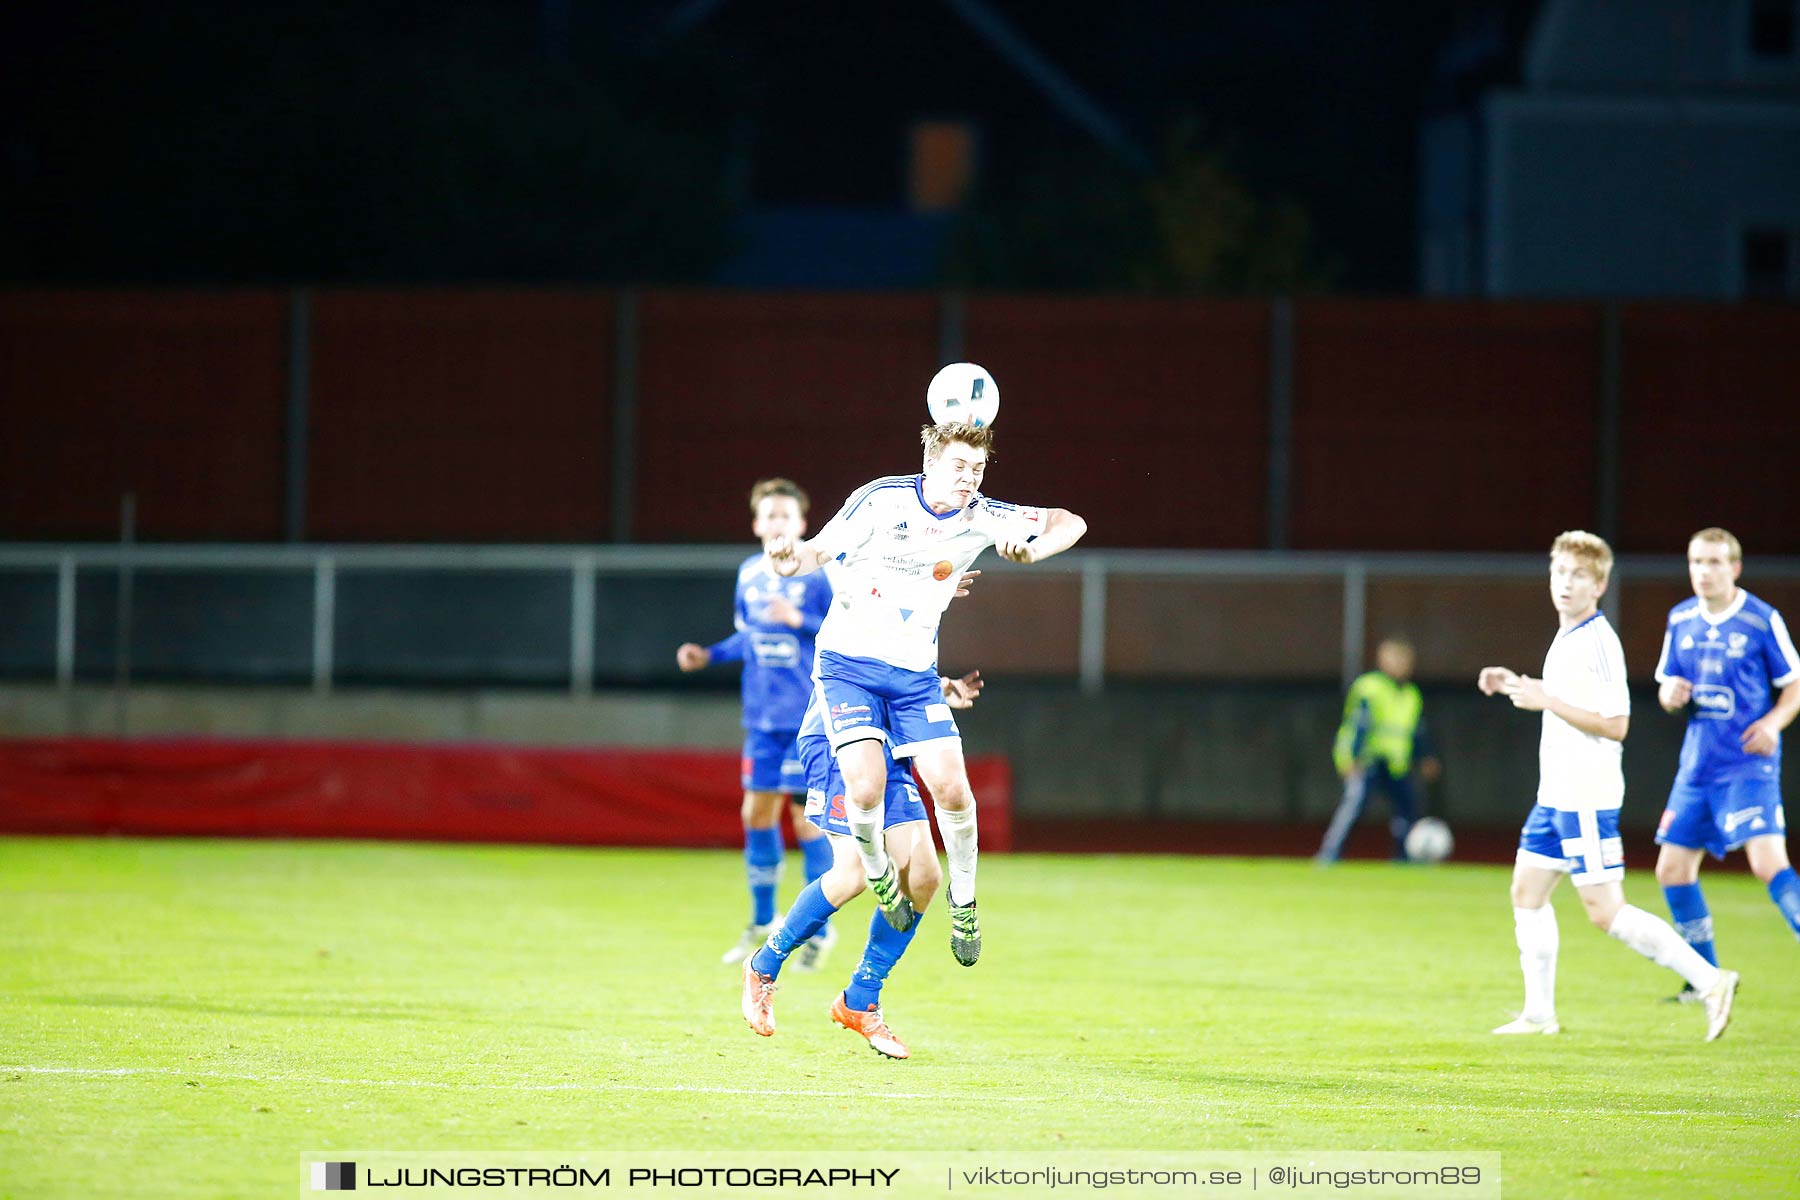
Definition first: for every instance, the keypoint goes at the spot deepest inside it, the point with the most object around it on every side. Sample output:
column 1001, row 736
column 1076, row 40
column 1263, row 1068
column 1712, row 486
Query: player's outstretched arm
column 790, row 556
column 1062, row 529
column 961, row 693
column 1493, row 680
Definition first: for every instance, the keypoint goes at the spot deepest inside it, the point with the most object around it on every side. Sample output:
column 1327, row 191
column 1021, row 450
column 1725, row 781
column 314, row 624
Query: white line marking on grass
column 807, row 1093
column 448, row 1085
column 798, row 1093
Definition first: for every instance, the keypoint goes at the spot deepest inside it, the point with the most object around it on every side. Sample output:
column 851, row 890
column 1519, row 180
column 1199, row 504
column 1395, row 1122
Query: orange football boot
column 759, row 999
column 870, row 1024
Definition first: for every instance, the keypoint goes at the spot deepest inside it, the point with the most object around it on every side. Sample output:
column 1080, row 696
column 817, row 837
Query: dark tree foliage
column 1079, row 219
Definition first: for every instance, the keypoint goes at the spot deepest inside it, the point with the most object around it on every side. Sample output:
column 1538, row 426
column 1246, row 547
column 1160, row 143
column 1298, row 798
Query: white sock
column 865, row 828
column 1656, row 940
column 1535, row 931
column 958, row 831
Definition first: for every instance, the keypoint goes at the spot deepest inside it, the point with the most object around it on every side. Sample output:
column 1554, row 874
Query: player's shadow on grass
column 333, row 1011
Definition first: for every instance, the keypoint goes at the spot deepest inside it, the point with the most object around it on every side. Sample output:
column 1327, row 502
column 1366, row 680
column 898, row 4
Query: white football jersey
column 1580, row 772
column 900, row 564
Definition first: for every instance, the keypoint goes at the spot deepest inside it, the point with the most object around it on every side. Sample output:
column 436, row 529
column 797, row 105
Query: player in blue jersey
column 900, row 542
column 1728, row 659
column 907, row 835
column 777, row 620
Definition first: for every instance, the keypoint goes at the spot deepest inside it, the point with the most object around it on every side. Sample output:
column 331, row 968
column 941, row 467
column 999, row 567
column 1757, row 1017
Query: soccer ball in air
column 963, row 394
column 1429, row 841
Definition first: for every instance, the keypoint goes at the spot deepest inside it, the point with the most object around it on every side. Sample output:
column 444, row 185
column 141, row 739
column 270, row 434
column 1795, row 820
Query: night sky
column 445, row 142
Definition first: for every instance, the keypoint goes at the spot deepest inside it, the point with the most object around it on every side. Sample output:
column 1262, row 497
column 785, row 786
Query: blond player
column 1574, row 827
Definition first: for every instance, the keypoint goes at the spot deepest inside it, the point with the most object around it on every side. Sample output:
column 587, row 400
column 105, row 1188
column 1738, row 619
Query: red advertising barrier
column 454, row 793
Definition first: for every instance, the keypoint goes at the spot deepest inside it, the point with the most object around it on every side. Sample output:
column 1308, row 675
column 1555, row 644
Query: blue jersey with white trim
column 777, row 658
column 1736, row 661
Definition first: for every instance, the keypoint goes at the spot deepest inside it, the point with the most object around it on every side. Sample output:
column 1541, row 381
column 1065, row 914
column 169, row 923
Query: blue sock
column 1784, row 890
column 886, row 945
column 762, row 864
column 818, row 857
column 1693, row 920
column 811, row 910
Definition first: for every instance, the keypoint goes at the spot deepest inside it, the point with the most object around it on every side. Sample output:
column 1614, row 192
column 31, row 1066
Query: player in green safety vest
column 1381, row 740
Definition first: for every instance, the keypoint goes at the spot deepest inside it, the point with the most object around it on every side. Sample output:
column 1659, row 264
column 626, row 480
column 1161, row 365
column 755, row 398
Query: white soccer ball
column 963, row 394
column 1429, row 841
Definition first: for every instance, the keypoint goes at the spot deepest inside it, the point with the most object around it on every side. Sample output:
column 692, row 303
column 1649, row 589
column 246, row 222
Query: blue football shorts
column 1584, row 844
column 858, row 691
column 1721, row 817
column 825, row 791
column 771, row 763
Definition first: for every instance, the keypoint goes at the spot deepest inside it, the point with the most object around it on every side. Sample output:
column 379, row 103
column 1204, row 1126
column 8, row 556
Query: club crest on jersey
column 1735, row 645
column 942, row 571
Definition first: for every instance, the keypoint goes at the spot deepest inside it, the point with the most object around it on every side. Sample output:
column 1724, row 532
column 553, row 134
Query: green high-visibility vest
column 1381, row 719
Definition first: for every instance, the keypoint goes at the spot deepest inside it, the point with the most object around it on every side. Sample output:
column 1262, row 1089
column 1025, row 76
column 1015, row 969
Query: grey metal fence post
column 1356, row 602
column 122, row 616
column 581, row 626
column 324, row 621
column 1092, row 649
column 65, row 620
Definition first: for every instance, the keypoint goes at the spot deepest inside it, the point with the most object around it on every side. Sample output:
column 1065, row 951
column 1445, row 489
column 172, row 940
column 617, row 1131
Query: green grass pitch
column 185, row 1018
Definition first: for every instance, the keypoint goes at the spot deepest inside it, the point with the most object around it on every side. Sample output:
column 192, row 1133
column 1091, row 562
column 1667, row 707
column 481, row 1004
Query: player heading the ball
column 903, row 542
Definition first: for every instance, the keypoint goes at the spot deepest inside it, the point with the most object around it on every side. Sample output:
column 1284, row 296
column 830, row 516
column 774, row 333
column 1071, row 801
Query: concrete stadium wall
column 1235, row 752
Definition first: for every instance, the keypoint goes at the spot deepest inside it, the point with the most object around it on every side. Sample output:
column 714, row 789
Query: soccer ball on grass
column 1429, row 841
